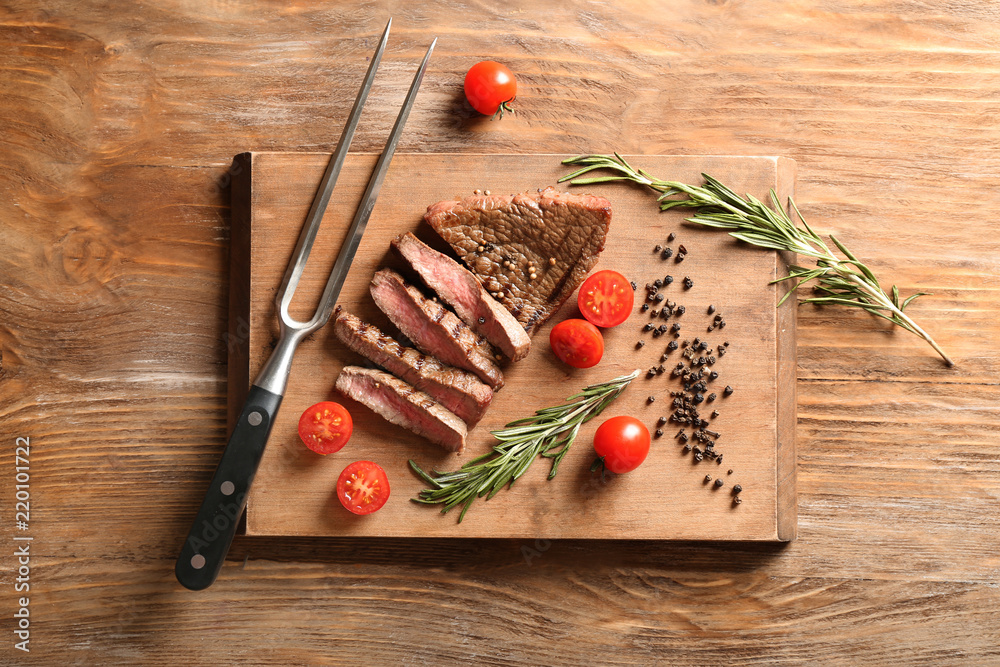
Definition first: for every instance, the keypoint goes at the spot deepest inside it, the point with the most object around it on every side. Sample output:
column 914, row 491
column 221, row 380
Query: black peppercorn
column 737, row 488
column 722, row 324
column 671, row 236
column 727, row 391
column 714, row 375
column 644, row 307
column 640, row 343
column 654, row 312
column 666, row 254
column 647, row 327
column 708, row 478
column 679, row 258
column 688, row 283
column 712, row 397
column 719, row 483
column 698, row 398
column 657, row 248
column 659, row 432
column 661, row 421
column 672, row 345
column 715, row 413
column 680, row 310
column 650, row 399
column 667, row 280
column 658, row 298
column 737, row 500
column 634, row 286
column 711, row 309
column 657, row 283
column 730, row 473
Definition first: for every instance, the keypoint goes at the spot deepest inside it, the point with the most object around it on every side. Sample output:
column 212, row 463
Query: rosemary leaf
column 549, row 434
column 846, row 282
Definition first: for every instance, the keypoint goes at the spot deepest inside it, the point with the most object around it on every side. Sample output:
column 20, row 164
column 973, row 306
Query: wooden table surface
column 117, row 125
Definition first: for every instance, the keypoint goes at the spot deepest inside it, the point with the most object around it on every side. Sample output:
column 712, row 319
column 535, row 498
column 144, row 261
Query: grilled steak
column 459, row 391
column 461, row 290
column 433, row 328
column 555, row 236
column 403, row 405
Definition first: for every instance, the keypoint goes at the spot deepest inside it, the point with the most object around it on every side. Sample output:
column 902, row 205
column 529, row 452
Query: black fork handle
column 214, row 527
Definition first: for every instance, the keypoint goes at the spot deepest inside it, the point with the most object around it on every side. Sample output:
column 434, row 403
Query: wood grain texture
column 293, row 490
column 118, row 124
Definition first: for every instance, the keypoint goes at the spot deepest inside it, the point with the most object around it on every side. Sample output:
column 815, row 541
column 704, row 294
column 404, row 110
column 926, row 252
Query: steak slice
column 461, row 290
column 557, row 233
column 433, row 328
column 458, row 390
column 403, row 405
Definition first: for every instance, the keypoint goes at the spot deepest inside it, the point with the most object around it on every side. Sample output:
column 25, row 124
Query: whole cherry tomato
column 606, row 298
column 623, row 443
column 577, row 343
column 490, row 88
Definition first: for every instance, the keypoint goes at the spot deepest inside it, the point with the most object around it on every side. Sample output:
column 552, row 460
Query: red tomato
column 363, row 487
column 490, row 87
column 606, row 298
column 623, row 443
column 326, row 427
column 577, row 343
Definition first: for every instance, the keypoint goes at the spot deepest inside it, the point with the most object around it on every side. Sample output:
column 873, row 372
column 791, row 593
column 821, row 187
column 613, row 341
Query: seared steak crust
column 457, row 390
column 433, row 328
column 461, row 290
column 559, row 234
column 403, row 405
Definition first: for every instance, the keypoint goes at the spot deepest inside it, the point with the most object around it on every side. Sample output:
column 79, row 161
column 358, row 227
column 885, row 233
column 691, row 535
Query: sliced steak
column 403, row 405
column 458, row 390
column 433, row 328
column 503, row 240
column 461, row 290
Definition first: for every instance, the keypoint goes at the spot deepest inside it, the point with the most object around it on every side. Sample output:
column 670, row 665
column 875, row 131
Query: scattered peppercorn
column 708, row 478
column 680, row 310
column 688, row 283
column 671, row 236
column 730, row 473
column 737, row 488
column 714, row 375
column 727, row 391
column 657, row 248
column 651, row 399
column 666, row 254
column 711, row 309
column 634, row 286
column 737, row 500
column 657, row 283
column 672, row 345
column 715, row 413
column 640, row 343
column 667, row 280
column 661, row 421
column 659, row 433
column 644, row 307
column 712, row 397
column 647, row 327
column 719, row 483
column 658, row 298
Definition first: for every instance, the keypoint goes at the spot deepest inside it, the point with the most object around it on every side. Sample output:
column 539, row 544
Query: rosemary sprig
column 845, row 282
column 549, row 433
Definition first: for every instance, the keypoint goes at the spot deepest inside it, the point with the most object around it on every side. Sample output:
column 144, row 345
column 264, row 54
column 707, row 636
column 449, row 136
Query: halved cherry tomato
column 326, row 427
column 623, row 443
column 606, row 298
column 490, row 87
column 363, row 487
column 577, row 343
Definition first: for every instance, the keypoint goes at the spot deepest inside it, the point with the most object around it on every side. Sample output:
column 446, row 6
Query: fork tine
column 343, row 264
column 310, row 227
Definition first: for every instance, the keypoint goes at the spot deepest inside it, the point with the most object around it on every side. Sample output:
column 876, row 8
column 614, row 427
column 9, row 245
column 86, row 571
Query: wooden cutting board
column 666, row 498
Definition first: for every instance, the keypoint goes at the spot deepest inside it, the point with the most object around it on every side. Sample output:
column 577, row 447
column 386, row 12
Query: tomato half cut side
column 363, row 487
column 326, row 427
column 606, row 298
column 623, row 443
column 577, row 343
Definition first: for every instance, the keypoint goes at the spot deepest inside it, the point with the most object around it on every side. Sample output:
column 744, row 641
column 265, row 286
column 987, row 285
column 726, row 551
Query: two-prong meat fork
column 212, row 532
